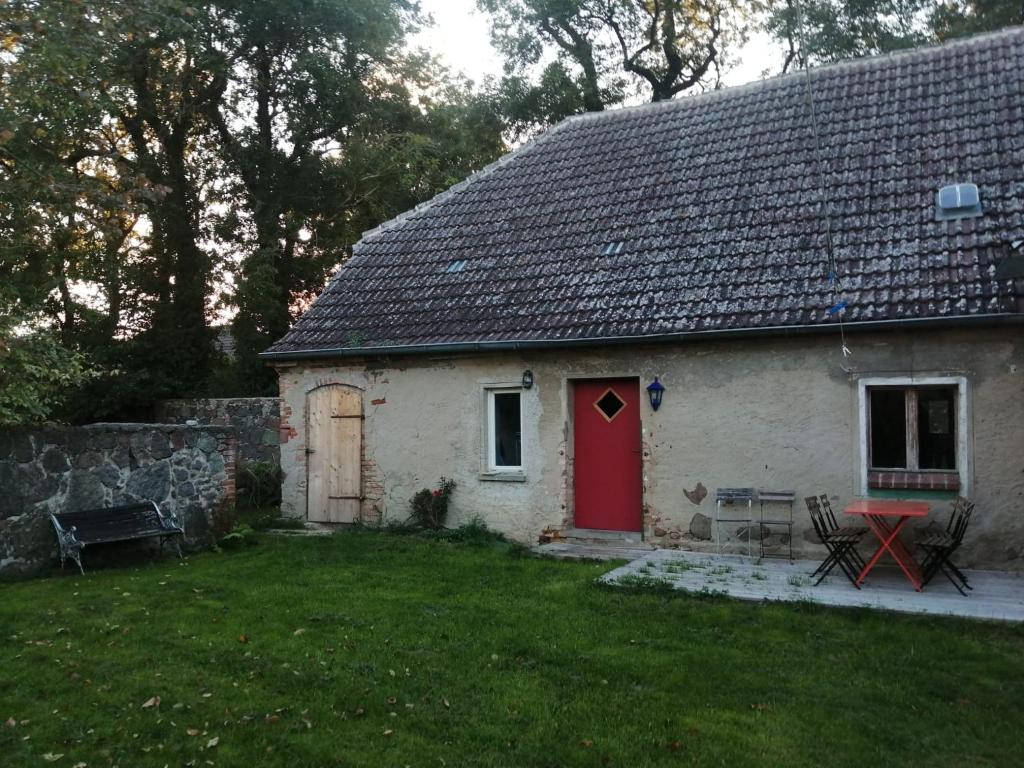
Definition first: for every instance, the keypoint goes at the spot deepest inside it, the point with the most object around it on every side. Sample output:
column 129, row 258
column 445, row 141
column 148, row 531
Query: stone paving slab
column 997, row 595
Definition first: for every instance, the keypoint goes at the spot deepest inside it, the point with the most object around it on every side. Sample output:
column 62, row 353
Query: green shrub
column 241, row 536
column 429, row 507
column 642, row 583
column 224, row 519
column 259, row 485
column 395, row 526
column 473, row 532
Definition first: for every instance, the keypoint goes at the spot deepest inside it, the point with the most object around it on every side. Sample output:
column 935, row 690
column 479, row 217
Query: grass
column 365, row 649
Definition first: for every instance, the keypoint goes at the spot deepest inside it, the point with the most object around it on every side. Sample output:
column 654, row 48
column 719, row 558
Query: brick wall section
column 228, row 447
column 286, row 430
column 372, row 508
column 186, row 470
column 902, row 480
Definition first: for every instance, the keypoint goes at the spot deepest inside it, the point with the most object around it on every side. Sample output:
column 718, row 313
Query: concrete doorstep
column 307, row 529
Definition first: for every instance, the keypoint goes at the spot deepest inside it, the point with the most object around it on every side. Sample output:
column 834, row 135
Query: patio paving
column 997, row 595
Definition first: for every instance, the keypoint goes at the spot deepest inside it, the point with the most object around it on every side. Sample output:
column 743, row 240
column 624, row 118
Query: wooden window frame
column 910, row 385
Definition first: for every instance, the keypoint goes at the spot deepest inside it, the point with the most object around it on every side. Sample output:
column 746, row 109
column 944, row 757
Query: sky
column 461, row 39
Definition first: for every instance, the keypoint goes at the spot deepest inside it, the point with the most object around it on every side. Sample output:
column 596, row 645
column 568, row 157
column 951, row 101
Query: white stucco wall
column 767, row 412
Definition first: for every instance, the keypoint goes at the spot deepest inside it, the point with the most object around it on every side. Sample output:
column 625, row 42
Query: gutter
column 961, row 321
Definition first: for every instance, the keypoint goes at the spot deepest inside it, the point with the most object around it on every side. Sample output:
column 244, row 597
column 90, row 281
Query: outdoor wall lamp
column 527, row 378
column 654, row 391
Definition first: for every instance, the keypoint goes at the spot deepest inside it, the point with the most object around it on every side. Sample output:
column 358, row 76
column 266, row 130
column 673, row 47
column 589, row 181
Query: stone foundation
column 186, row 470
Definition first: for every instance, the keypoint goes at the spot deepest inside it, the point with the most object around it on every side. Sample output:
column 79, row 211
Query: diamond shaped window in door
column 609, row 404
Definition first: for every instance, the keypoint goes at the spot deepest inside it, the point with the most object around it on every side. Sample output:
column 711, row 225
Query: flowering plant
column 429, row 506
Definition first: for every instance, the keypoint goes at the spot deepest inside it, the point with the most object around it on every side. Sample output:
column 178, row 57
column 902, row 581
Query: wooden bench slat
column 114, row 537
column 87, row 530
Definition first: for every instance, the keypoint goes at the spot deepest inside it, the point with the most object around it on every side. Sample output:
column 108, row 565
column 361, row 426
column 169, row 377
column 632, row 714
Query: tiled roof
column 704, row 214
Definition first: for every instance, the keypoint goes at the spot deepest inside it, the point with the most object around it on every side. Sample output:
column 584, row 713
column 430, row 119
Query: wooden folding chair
column 839, row 543
column 834, row 528
column 939, row 546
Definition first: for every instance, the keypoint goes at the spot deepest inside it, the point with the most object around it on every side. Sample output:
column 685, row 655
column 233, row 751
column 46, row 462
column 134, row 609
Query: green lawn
column 368, row 649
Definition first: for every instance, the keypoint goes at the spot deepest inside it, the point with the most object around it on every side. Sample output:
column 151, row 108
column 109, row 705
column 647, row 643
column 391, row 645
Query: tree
column 158, row 158
column 842, row 29
column 165, row 73
column 969, row 17
column 37, row 375
column 65, row 212
column 602, row 52
column 312, row 90
column 110, row 98
column 37, row 372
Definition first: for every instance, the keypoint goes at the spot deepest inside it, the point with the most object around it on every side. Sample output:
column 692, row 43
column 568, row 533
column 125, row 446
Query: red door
column 607, row 464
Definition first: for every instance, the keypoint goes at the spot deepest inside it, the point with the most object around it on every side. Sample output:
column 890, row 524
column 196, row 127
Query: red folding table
column 886, row 518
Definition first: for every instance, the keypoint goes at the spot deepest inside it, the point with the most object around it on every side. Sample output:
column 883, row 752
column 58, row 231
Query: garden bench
column 76, row 530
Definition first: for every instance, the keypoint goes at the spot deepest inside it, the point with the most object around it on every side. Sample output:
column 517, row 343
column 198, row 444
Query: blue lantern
column 654, row 391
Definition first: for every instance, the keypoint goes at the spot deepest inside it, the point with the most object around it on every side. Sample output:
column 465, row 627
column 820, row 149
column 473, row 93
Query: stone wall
column 186, row 470
column 256, row 419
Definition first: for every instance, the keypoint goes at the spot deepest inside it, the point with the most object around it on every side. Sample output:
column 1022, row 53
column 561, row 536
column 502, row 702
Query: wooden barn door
column 334, row 447
column 608, row 484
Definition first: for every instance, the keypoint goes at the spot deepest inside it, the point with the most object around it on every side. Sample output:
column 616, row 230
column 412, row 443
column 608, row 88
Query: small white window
column 504, row 430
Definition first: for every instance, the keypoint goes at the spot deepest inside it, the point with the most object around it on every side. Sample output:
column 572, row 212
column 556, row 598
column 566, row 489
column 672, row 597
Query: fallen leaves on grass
column 213, row 742
column 151, row 702
column 50, row 757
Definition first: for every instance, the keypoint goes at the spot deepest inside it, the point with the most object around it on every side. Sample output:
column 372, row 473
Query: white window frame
column 962, row 421
column 490, row 463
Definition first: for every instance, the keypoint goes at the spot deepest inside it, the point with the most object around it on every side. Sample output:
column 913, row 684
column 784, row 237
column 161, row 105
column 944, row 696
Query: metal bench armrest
column 68, row 542
column 169, row 521
column 66, row 537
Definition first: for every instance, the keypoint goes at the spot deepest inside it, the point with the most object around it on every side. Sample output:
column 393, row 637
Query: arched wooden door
column 334, row 433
